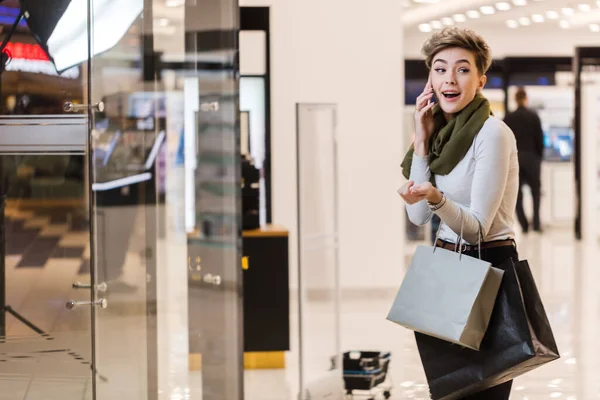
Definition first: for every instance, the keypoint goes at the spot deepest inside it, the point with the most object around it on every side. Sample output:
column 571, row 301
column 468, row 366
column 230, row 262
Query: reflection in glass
column 61, row 26
column 45, row 349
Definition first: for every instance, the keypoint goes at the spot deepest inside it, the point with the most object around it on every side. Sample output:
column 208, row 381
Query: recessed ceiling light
column 594, row 27
column 473, row 14
column 552, row 14
column 436, row 24
column 564, row 24
column 524, row 21
column 447, row 21
column 567, row 11
column 461, row 17
column 175, row 3
column 503, row 6
column 537, row 18
column 511, row 23
column 519, row 2
column 584, row 7
column 163, row 22
column 487, row 10
column 425, row 28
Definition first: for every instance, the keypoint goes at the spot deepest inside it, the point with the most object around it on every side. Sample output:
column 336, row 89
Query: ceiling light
column 598, row 3
column 537, row 18
column 426, row 1
column 567, row 11
column 425, row 28
column 552, row 15
column 461, row 17
column 524, row 21
column 473, row 14
column 163, row 22
column 503, row 6
column 447, row 21
column 519, row 2
column 511, row 23
column 436, row 24
column 564, row 24
column 487, row 10
column 594, row 27
column 584, row 7
column 175, row 3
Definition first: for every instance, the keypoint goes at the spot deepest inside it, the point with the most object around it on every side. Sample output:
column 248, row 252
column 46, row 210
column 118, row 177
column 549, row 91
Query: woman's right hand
column 424, row 123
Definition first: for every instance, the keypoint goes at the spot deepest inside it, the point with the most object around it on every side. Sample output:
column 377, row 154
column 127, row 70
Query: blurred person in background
column 527, row 127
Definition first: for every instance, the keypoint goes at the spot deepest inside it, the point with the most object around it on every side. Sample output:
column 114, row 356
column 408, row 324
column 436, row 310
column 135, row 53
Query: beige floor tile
column 75, row 239
column 54, row 230
column 37, row 222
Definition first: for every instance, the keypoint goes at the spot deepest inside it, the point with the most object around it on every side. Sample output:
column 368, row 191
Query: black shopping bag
column 518, row 339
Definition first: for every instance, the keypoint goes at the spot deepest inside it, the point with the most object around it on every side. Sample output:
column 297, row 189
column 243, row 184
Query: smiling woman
column 463, row 168
column 456, row 79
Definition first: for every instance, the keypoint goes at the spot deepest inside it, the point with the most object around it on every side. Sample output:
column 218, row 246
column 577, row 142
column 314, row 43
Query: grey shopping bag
column 447, row 295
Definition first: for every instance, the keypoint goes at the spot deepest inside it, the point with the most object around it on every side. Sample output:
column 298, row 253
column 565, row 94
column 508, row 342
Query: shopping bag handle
column 457, row 244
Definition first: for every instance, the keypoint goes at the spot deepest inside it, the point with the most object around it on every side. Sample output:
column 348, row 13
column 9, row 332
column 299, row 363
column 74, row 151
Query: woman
column 463, row 164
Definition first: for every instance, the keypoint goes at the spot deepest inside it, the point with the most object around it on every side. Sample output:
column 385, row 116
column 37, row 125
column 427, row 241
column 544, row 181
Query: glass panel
column 45, row 348
column 127, row 140
column 214, row 203
column 318, row 270
column 166, row 191
column 31, row 84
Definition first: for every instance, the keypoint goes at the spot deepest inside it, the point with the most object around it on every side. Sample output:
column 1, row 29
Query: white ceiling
column 583, row 18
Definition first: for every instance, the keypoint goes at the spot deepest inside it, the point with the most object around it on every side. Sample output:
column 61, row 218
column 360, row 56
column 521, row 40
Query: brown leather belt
column 468, row 247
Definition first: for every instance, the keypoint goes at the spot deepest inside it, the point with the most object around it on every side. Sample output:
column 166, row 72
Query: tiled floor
column 48, row 250
column 33, row 367
column 567, row 276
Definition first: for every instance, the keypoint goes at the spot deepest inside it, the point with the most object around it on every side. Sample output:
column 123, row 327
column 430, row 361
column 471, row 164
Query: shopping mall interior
column 249, row 156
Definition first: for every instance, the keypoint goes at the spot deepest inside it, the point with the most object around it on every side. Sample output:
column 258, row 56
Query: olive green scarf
column 452, row 139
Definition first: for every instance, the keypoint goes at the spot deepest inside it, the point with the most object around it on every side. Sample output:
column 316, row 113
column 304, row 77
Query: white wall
column 543, row 40
column 350, row 54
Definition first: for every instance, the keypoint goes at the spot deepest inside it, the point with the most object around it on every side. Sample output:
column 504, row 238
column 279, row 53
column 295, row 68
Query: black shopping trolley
column 367, row 371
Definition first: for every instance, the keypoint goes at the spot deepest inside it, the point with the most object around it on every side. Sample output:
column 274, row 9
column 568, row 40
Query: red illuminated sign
column 26, row 51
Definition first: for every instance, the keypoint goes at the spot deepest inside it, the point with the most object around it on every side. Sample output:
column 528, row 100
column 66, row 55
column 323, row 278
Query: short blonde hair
column 458, row 37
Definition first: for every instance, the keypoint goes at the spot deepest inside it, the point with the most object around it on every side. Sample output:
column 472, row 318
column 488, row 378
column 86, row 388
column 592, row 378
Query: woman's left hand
column 427, row 191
